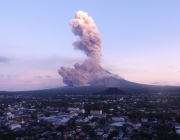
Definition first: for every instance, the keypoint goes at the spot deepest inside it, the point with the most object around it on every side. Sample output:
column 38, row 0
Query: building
column 14, row 126
column 144, row 120
column 118, row 119
column 96, row 112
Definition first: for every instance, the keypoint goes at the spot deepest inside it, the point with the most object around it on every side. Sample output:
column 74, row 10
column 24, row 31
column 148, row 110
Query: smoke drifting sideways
column 89, row 42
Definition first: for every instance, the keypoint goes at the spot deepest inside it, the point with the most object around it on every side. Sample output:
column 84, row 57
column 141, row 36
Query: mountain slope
column 112, row 91
column 101, row 85
column 133, row 87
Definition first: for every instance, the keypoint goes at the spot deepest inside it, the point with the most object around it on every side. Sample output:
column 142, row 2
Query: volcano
column 132, row 87
column 101, row 85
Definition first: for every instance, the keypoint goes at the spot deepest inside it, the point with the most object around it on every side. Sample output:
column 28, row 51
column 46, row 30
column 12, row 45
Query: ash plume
column 90, row 43
column 89, row 38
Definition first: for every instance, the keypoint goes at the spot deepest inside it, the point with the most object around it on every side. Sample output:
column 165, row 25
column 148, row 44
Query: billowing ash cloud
column 90, row 39
column 90, row 43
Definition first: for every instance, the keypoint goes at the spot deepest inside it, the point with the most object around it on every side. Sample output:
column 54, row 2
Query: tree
column 102, row 121
column 94, row 119
column 60, row 128
column 113, row 134
column 47, row 114
column 86, row 128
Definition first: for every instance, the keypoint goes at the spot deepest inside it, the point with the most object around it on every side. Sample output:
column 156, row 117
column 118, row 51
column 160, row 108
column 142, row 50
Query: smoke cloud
column 89, row 38
column 89, row 42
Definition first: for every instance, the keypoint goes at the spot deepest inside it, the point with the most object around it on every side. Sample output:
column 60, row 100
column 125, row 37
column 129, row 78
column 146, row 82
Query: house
column 177, row 126
column 178, row 131
column 82, row 111
column 14, row 126
column 118, row 119
column 105, row 136
column 82, row 120
column 96, row 112
column 144, row 120
column 120, row 135
column 100, row 132
column 72, row 109
column 17, row 112
column 118, row 124
column 136, row 125
column 9, row 115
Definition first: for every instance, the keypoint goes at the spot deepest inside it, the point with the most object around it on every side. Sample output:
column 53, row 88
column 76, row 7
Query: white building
column 14, row 126
column 73, row 109
column 144, row 120
column 118, row 119
column 119, row 124
column 178, row 131
column 9, row 115
column 136, row 126
column 83, row 111
column 96, row 112
column 177, row 126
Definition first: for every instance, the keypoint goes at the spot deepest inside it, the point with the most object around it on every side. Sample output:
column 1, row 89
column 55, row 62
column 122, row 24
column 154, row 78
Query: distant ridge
column 111, row 91
column 101, row 85
column 132, row 87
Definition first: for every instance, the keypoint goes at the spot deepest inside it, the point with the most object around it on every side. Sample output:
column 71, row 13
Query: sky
column 140, row 41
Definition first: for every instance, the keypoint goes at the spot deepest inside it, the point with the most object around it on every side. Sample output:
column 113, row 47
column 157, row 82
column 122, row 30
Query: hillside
column 112, row 91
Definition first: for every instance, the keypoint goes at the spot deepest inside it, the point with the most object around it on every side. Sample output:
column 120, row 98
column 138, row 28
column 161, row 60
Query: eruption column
column 90, row 43
column 90, row 39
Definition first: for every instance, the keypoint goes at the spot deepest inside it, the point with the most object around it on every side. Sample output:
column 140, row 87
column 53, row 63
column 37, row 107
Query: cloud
column 9, row 76
column 178, row 84
column 15, row 75
column 158, row 83
column 41, row 64
column 4, row 59
column 38, row 77
column 2, row 76
column 47, row 77
column 27, row 81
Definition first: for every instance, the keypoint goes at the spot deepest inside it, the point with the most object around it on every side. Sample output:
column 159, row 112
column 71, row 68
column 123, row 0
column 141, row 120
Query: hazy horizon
column 140, row 41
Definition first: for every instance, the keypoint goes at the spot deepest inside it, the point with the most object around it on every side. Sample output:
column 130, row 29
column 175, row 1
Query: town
column 90, row 117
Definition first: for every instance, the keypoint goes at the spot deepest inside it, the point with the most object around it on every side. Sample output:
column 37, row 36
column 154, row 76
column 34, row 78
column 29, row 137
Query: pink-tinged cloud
column 90, row 43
